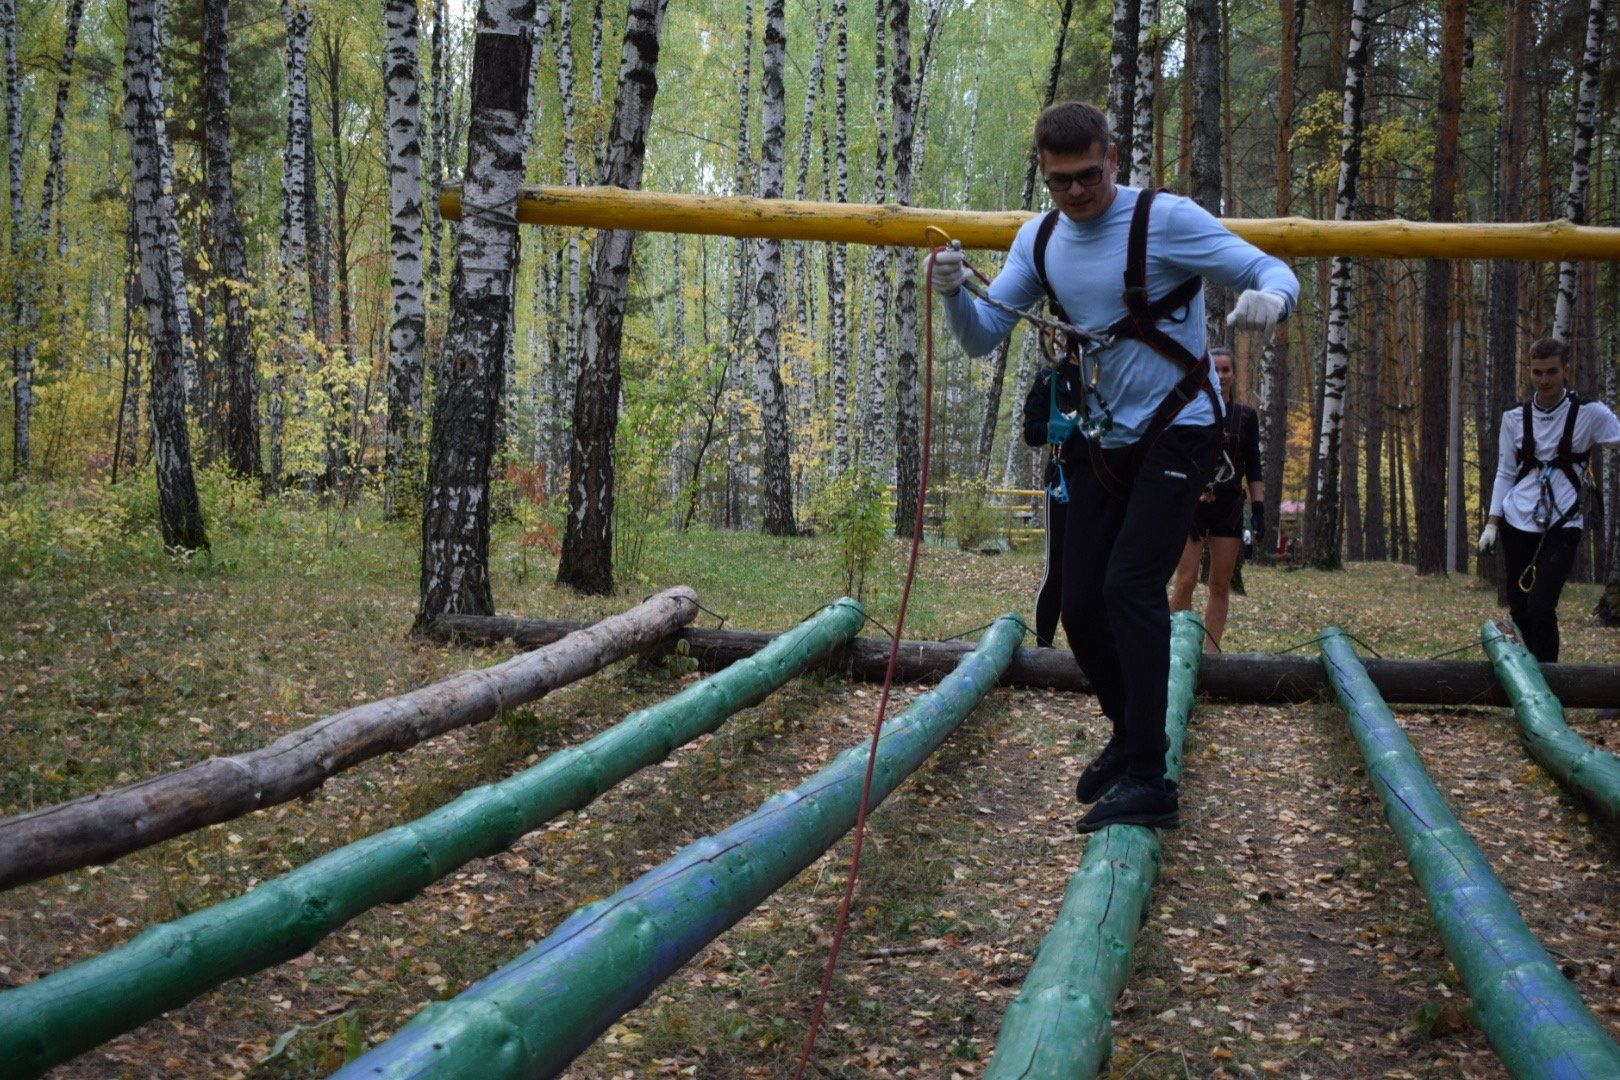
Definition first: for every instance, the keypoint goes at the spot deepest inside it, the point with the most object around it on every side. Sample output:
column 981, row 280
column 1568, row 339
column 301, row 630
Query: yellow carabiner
column 930, row 230
column 1529, row 572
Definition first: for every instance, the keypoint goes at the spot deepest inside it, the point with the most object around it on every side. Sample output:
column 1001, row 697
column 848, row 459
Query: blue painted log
column 536, row 1014
column 1060, row 1026
column 1581, row 767
column 1534, row 1018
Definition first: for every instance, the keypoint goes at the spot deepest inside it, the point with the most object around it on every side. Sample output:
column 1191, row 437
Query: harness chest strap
column 1143, row 314
column 1564, row 458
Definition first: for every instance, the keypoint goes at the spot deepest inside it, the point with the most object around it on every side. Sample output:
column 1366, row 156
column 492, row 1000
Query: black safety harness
column 1115, row 468
column 1564, row 460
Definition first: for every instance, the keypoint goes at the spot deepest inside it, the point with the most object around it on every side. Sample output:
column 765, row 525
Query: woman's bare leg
column 1223, row 557
column 1186, row 579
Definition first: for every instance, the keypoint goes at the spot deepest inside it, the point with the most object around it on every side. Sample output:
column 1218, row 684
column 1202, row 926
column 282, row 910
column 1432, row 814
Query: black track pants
column 1535, row 613
column 1118, row 556
column 1049, row 598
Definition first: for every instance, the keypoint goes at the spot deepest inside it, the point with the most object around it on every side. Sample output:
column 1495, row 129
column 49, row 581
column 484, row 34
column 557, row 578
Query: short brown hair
column 1548, row 347
column 1072, row 127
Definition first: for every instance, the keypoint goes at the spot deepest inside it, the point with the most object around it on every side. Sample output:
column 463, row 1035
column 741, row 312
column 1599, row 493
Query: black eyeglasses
column 1058, row 183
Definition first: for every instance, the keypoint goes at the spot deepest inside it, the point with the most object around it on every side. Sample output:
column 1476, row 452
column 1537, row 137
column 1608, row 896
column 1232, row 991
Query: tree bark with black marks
column 872, row 451
column 587, row 552
column 455, row 507
column 238, row 356
column 777, row 452
column 1322, row 540
column 1147, row 48
column 1435, row 364
column 1121, row 78
column 1204, row 37
column 408, row 329
column 22, row 389
column 1580, row 169
column 167, row 316
column 908, row 450
column 838, row 254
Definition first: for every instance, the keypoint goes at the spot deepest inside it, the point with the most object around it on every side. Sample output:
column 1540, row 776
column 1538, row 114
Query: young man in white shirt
column 1535, row 515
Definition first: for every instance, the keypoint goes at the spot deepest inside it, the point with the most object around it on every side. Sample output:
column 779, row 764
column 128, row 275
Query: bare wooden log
column 856, row 223
column 1246, row 677
column 102, row 827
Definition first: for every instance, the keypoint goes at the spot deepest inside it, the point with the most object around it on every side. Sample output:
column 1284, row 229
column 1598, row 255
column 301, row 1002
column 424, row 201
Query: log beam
column 857, row 223
column 1240, row 677
column 102, row 827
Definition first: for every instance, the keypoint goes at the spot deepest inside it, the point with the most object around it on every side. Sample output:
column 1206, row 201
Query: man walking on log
column 1541, row 474
column 1218, row 517
column 1122, row 264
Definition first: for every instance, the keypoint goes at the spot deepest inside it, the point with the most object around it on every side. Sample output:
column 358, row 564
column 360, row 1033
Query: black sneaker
column 1134, row 801
column 1100, row 775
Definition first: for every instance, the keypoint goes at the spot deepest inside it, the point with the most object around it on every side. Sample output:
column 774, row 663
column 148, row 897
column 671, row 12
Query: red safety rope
column 888, row 679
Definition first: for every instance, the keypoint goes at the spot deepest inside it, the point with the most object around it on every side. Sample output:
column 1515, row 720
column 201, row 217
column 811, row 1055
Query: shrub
column 850, row 510
column 972, row 519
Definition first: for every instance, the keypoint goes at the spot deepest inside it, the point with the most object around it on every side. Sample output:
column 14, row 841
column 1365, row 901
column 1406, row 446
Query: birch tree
column 466, row 413
column 907, row 393
column 1147, row 47
column 408, row 328
column 570, row 161
column 587, row 553
column 294, row 290
column 1121, row 81
column 1435, row 365
column 838, row 254
column 1580, row 169
column 777, row 451
column 1323, row 534
column 168, row 320
column 870, row 450
column 238, row 356
column 22, row 391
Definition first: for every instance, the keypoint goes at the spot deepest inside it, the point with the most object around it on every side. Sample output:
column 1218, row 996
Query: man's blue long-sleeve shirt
column 1085, row 262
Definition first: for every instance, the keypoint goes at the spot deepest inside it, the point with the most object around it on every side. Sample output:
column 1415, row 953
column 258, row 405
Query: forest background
column 1353, row 391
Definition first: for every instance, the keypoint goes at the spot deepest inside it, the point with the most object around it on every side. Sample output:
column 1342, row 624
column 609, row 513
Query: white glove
column 950, row 270
column 1257, row 311
column 1487, row 540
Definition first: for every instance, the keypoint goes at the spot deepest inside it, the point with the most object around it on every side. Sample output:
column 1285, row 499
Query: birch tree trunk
column 22, row 392
column 239, row 359
column 587, row 553
column 466, row 412
column 776, row 466
column 1121, row 81
column 1580, row 170
column 838, row 254
column 741, row 287
column 408, row 328
column 1322, row 540
column 908, row 450
column 1147, row 48
column 1435, row 399
column 439, row 111
column 168, row 322
column 294, row 286
column 570, row 150
column 872, row 451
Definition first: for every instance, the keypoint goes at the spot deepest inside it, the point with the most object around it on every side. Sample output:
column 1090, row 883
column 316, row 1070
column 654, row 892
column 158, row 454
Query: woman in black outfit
column 1218, row 519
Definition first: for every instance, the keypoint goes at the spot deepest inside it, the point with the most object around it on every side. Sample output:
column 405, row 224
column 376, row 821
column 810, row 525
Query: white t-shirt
column 1516, row 503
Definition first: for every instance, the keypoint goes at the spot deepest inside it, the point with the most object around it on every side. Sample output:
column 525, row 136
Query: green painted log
column 533, row 1016
column 1060, row 1025
column 1532, row 1015
column 66, row 1013
column 1581, row 767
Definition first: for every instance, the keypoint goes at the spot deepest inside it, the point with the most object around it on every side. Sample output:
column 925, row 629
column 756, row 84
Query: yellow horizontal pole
column 858, row 223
